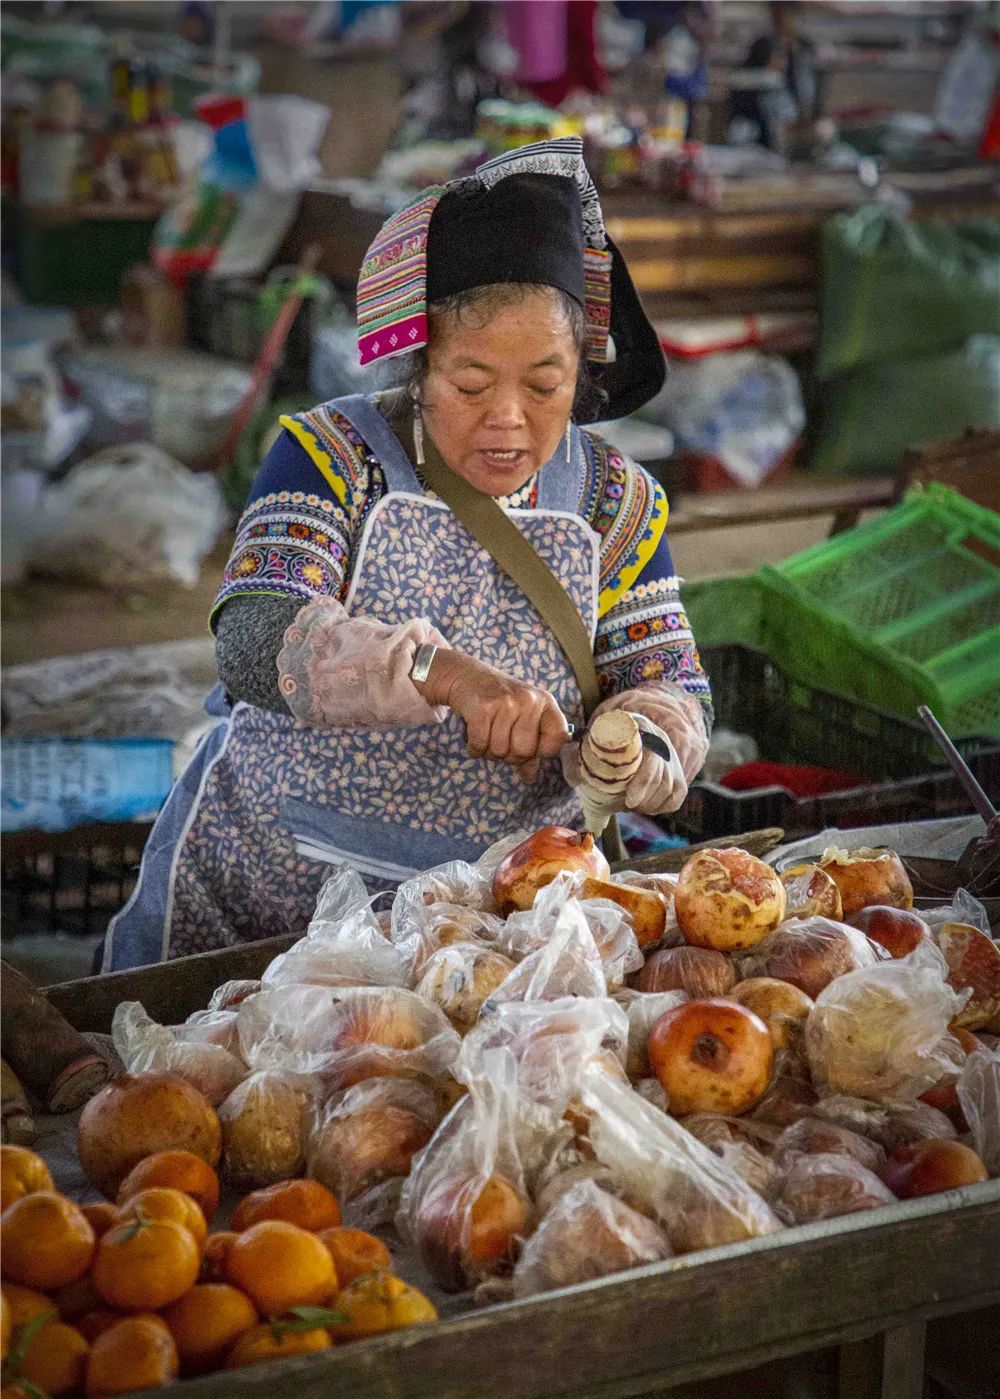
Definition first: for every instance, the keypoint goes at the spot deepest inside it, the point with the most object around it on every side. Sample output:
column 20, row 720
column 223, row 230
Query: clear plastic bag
column 146, row 1047
column 344, row 944
column 567, row 964
column 788, row 1098
column 978, row 1091
column 810, row 953
column 346, row 1034
column 882, row 1033
column 459, row 978
column 364, row 1141
column 587, row 1234
column 609, row 924
column 429, row 927
column 964, row 908
column 644, row 1008
column 465, row 1205
column 264, row 1124
column 890, row 1124
column 699, row 1200
column 811, row 1136
column 825, row 1187
column 742, row 1145
column 210, row 1027
column 231, row 994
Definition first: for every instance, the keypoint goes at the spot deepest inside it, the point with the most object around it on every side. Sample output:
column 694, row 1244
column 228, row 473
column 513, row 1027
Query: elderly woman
column 392, row 698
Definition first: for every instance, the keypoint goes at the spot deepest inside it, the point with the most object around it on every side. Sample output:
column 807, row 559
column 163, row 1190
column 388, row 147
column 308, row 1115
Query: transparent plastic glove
column 676, row 713
column 660, row 784
column 341, row 672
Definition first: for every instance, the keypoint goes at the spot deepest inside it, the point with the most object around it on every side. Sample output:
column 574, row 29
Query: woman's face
column 500, row 388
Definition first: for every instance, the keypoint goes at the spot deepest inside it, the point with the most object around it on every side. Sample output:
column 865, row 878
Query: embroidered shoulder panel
column 628, row 509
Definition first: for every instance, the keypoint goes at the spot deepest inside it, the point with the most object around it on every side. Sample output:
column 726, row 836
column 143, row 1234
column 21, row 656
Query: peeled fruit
column 728, row 900
column 647, row 908
column 536, row 862
column 781, row 1006
column 137, row 1115
column 973, row 962
column 711, row 1056
column 471, row 1229
column 896, row 929
column 810, row 890
column 699, row 971
column 868, row 876
column 924, row 1168
column 811, row 952
column 378, row 1303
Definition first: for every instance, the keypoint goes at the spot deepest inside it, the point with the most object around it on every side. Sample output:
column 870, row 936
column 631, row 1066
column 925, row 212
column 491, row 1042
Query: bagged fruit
column 144, row 1047
column 587, row 1234
column 788, row 1098
column 431, row 927
column 465, row 1205
column 458, row 882
column 459, row 978
column 264, row 1123
column 231, row 994
column 346, row 1034
column 567, row 1168
column 665, row 1171
column 825, row 1187
column 351, row 952
column 811, row 1136
column 882, row 1033
column 567, row 964
column 810, row 953
column 978, row 1091
column 544, row 856
column 364, row 1141
column 609, row 924
column 741, row 1143
column 889, row 1124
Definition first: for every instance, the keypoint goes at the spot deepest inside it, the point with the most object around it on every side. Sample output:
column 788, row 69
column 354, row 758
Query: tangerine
column 181, row 1170
column 379, row 1303
column 303, row 1202
column 280, row 1266
column 100, row 1215
column 136, row 1353
column 55, row 1359
column 21, row 1172
column 6, row 1326
column 163, row 1202
column 142, row 1265
column 207, row 1322
column 214, row 1254
column 354, row 1253
column 24, row 1304
column 275, row 1342
column 45, row 1239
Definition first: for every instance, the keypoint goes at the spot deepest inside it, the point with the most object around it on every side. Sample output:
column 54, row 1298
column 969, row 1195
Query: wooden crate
column 834, row 1310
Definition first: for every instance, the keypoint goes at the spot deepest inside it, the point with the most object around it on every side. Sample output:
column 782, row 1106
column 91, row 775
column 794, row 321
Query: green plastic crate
column 902, row 611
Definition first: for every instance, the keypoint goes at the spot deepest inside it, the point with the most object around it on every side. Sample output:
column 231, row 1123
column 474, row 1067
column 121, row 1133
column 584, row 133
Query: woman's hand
column 505, row 719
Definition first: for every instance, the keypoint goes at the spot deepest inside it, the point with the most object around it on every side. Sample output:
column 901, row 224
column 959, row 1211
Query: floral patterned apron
column 248, row 834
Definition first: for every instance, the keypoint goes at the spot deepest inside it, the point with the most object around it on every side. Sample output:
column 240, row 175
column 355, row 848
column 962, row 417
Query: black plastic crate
column 794, row 723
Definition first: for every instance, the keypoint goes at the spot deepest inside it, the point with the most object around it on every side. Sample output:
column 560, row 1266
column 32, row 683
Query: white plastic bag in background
column 741, row 407
column 129, row 516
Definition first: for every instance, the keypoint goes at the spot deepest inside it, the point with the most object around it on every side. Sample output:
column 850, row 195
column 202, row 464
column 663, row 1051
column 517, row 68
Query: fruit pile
column 107, row 1298
column 537, row 1074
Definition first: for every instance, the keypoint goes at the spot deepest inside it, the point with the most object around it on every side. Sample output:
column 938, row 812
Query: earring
column 418, row 433
column 569, row 429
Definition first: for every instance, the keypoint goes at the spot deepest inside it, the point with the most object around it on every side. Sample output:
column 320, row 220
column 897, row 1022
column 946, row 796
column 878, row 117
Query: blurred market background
column 807, row 196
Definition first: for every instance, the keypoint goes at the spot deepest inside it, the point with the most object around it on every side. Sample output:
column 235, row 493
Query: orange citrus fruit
column 207, row 1322
column 55, row 1359
column 279, row 1266
column 163, row 1202
column 24, row 1304
column 213, row 1258
column 137, row 1353
column 6, row 1326
column 181, row 1170
column 303, row 1202
column 142, row 1266
column 269, row 1342
column 21, row 1172
column 354, row 1253
column 100, row 1215
column 378, row 1303
column 45, row 1240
